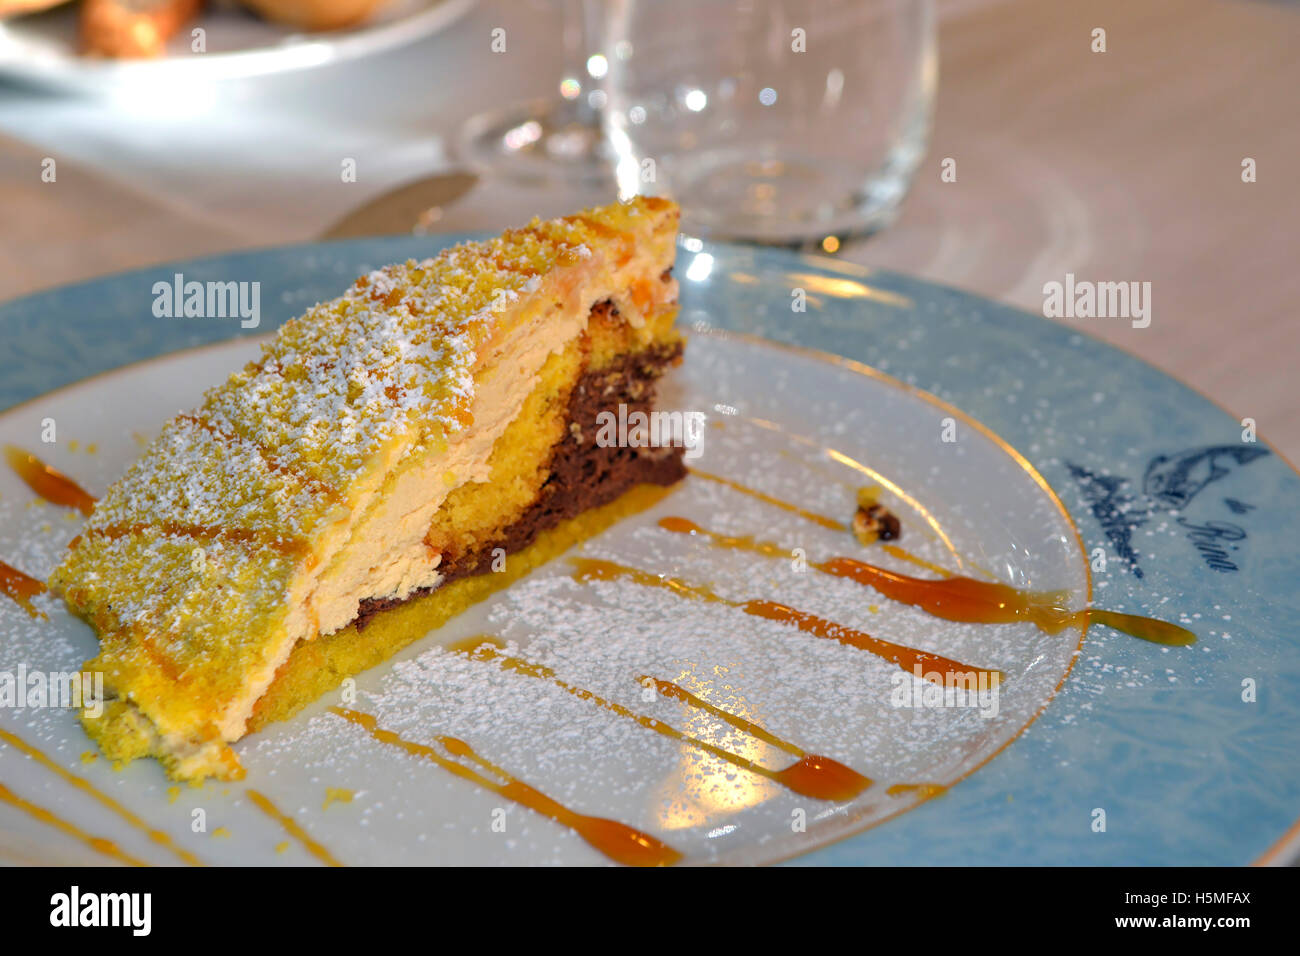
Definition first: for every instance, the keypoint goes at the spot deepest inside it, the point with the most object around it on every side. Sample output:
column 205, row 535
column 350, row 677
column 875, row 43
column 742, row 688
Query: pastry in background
column 13, row 8
column 140, row 29
column 132, row 29
column 315, row 14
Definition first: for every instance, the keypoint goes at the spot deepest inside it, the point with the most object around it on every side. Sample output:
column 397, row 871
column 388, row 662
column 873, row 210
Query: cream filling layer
column 387, row 555
column 381, row 552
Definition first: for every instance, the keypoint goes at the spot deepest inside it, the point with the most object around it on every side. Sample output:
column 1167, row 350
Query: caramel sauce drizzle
column 967, row 600
column 59, row 489
column 272, row 462
column 21, row 588
column 904, row 555
column 953, row 673
column 619, row 842
column 158, row 656
column 872, row 494
column 959, row 598
column 54, row 486
column 471, row 644
column 812, row 775
column 1135, row 625
column 291, row 547
column 601, row 229
column 85, row 786
column 518, row 267
column 764, row 497
column 292, row 827
column 889, row 548
column 99, row 844
column 624, row 245
column 924, row 791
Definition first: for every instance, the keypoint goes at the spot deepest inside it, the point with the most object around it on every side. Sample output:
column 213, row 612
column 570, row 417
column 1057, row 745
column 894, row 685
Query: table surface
column 1123, row 165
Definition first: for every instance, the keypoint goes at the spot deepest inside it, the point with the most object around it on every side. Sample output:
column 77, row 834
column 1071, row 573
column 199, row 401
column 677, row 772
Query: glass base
column 784, row 198
column 539, row 142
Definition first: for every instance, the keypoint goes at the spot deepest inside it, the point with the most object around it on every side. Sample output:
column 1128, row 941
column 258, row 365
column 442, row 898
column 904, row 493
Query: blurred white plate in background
column 41, row 48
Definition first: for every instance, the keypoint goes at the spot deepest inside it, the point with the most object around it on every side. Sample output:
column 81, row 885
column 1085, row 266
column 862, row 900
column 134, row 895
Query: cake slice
column 397, row 451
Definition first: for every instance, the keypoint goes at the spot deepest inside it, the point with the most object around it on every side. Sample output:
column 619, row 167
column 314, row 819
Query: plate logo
column 1169, row 484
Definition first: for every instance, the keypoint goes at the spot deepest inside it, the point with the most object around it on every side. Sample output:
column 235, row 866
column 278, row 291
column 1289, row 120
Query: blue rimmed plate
column 1186, row 755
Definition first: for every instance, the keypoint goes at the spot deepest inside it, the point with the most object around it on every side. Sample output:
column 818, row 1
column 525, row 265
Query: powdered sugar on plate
column 802, row 431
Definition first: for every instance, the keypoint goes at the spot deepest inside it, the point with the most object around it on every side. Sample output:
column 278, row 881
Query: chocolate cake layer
column 583, row 473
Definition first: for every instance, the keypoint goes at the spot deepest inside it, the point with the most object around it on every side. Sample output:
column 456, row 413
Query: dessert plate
column 1096, row 749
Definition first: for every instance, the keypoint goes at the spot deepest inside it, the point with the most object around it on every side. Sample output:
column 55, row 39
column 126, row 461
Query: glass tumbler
column 557, row 140
column 771, row 120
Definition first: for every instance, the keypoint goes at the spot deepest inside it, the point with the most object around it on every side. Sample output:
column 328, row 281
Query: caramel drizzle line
column 272, row 462
column 292, row 827
column 680, row 693
column 773, row 550
column 48, row 483
column 770, row 549
column 22, row 588
column 85, row 786
column 959, row 598
column 59, row 489
column 951, row 672
column 879, row 479
column 826, row 522
column 157, row 655
column 274, row 364
column 99, row 844
column 617, row 841
column 204, row 533
column 923, row 791
column 764, row 497
column 622, row 243
column 597, row 227
column 811, row 775
column 289, row 547
column 904, row 555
